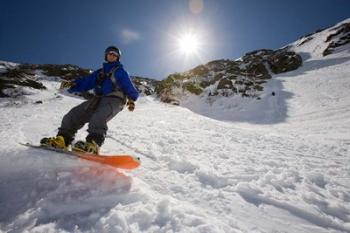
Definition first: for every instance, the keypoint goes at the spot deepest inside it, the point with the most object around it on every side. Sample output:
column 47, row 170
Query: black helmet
column 114, row 50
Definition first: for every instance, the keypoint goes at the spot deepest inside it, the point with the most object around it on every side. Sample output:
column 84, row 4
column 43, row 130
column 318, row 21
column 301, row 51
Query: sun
column 188, row 43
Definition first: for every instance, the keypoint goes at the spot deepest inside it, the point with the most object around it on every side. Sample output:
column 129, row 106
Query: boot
column 55, row 142
column 86, row 147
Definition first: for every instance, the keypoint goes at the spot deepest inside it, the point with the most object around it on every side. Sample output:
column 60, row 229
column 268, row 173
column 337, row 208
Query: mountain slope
column 233, row 89
column 319, row 89
column 288, row 173
column 198, row 175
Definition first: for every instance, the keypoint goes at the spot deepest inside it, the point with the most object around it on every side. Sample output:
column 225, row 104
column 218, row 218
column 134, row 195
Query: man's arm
column 126, row 85
column 84, row 84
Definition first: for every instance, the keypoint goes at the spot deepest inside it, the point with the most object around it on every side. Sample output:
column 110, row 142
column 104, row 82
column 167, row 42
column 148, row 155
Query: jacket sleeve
column 84, row 84
column 126, row 85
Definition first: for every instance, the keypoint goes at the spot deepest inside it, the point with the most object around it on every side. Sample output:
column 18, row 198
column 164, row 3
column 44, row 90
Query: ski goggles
column 112, row 53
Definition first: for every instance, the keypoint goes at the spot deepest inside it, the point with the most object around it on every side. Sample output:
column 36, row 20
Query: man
column 113, row 88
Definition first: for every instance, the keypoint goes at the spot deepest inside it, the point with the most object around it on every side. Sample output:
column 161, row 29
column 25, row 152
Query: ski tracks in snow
column 197, row 175
column 221, row 167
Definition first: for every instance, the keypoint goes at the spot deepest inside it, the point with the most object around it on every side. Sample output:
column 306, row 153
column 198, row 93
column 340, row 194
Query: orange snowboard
column 118, row 161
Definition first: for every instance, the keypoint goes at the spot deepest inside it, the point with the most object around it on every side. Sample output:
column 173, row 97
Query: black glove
column 131, row 105
column 66, row 84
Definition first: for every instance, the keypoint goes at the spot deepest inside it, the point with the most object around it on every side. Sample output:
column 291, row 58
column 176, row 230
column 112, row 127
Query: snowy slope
column 4, row 65
column 319, row 101
column 269, row 109
column 287, row 173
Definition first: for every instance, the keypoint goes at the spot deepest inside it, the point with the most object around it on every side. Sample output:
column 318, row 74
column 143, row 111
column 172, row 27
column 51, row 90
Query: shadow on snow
column 37, row 187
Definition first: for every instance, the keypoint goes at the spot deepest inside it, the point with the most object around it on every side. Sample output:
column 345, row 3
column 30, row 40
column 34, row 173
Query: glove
column 66, row 84
column 131, row 105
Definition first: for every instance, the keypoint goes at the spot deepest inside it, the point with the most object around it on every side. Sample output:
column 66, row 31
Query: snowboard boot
column 86, row 147
column 55, row 142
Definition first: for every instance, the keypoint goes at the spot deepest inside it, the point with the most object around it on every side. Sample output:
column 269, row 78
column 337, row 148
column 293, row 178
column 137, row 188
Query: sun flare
column 188, row 43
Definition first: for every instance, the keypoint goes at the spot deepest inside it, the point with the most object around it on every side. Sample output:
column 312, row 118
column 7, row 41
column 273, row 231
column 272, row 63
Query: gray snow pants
column 97, row 112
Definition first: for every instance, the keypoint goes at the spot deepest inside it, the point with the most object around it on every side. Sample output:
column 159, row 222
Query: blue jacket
column 122, row 77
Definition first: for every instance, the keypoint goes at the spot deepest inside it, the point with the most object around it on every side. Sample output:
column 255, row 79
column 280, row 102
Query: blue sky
column 147, row 31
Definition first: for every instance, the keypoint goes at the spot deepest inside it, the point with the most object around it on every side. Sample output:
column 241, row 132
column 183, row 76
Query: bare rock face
column 284, row 61
column 340, row 37
column 12, row 78
column 146, row 86
column 244, row 76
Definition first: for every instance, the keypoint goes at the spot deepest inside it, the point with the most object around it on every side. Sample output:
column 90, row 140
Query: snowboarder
column 113, row 89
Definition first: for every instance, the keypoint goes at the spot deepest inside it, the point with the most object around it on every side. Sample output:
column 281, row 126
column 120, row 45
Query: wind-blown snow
column 286, row 173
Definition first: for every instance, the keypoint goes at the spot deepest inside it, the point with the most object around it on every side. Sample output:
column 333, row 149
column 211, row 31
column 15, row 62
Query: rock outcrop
column 244, row 76
column 340, row 37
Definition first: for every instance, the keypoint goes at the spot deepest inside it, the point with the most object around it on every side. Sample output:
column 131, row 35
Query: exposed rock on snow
column 244, row 77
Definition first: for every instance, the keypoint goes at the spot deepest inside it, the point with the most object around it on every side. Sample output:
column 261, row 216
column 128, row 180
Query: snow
column 279, row 164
